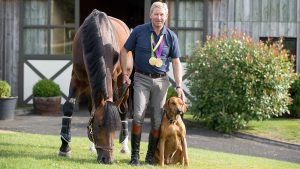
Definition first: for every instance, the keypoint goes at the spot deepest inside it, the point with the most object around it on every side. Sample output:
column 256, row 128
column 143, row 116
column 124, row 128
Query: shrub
column 46, row 88
column 234, row 80
column 295, row 95
column 171, row 92
column 5, row 89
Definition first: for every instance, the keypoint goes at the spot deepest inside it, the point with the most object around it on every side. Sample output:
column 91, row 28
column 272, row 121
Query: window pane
column 188, row 40
column 61, row 40
column 62, row 12
column 35, row 41
column 190, row 13
column 172, row 14
column 36, row 12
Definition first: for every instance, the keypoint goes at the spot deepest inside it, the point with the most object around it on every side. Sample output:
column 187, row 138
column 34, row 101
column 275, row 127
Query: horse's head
column 106, row 121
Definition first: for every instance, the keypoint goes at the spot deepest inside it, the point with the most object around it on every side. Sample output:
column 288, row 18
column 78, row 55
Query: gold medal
column 156, row 51
column 152, row 61
column 159, row 62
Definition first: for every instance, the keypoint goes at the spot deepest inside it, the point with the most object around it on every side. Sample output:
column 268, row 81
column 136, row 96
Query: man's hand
column 180, row 93
column 126, row 79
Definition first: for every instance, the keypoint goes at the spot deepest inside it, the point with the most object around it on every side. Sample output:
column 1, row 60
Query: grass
column 287, row 130
column 281, row 129
column 32, row 151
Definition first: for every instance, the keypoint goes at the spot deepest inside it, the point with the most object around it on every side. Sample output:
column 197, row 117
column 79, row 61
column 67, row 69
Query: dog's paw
column 186, row 163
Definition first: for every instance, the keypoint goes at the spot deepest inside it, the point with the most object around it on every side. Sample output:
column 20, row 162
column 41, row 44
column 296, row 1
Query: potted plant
column 7, row 102
column 46, row 97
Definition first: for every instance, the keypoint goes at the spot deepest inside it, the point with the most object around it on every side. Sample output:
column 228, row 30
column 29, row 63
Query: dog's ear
column 166, row 105
column 184, row 108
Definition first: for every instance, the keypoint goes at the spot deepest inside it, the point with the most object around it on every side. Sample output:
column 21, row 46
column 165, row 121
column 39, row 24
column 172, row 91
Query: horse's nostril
column 103, row 159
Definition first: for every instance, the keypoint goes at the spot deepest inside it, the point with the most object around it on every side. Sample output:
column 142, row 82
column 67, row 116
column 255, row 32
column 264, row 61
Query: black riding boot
column 65, row 133
column 152, row 145
column 135, row 144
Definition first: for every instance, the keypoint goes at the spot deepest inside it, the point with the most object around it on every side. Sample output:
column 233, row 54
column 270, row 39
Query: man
column 154, row 45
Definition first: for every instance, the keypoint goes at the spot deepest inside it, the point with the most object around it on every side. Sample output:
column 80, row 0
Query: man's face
column 158, row 17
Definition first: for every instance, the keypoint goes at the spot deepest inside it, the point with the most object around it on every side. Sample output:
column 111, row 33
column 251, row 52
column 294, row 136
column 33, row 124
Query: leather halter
column 90, row 126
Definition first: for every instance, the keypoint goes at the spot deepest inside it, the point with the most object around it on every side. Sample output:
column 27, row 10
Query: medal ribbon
column 159, row 44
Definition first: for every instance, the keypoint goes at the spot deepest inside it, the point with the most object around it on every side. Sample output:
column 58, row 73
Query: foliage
column 171, row 92
column 46, row 88
column 234, row 79
column 5, row 89
column 295, row 95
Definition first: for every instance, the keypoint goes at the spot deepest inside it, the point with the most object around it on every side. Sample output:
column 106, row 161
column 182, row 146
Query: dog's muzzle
column 179, row 112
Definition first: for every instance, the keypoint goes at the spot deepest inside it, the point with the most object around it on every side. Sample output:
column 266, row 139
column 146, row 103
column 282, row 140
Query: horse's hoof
column 64, row 154
column 125, row 151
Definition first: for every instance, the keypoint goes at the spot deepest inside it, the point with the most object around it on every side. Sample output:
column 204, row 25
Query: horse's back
column 121, row 30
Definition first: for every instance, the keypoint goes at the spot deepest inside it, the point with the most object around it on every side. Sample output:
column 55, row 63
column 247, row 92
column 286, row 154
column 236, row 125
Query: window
column 186, row 19
column 49, row 27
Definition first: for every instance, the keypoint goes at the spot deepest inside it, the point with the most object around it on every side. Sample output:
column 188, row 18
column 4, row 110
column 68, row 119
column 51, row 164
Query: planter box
column 7, row 108
column 49, row 106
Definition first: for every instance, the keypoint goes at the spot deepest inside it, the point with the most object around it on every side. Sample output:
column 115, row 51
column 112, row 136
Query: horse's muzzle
column 103, row 157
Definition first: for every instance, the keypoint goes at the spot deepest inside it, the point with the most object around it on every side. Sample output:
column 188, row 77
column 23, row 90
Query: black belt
column 152, row 75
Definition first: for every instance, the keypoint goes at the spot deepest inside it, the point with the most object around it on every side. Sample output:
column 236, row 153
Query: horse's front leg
column 68, row 109
column 123, row 138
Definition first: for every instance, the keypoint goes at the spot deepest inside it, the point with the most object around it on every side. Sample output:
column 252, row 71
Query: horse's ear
column 166, row 106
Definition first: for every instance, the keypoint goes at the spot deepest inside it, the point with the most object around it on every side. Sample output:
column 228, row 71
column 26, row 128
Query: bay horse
column 97, row 74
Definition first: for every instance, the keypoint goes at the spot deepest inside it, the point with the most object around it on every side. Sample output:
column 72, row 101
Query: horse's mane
column 93, row 51
column 99, row 43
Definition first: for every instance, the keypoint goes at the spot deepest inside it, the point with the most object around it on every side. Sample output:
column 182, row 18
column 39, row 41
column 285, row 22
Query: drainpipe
column 205, row 21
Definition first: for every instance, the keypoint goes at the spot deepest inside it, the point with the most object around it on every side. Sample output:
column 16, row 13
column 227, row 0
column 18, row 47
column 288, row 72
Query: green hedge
column 234, row 80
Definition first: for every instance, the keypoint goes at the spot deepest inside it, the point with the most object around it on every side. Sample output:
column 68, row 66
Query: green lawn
column 287, row 130
column 281, row 129
column 32, row 151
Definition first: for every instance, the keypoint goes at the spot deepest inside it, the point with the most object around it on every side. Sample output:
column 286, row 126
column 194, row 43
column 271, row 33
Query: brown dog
column 172, row 146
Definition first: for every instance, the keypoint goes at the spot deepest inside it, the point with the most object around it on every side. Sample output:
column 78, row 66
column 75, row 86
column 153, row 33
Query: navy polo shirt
column 139, row 42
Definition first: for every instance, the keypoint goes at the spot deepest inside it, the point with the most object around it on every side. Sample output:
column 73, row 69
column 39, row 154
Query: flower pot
column 7, row 108
column 49, row 106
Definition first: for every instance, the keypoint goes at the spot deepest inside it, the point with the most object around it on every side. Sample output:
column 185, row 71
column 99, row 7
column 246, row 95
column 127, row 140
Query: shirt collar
column 163, row 32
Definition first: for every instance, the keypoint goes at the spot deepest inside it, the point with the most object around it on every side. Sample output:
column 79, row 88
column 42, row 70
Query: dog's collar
column 170, row 119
